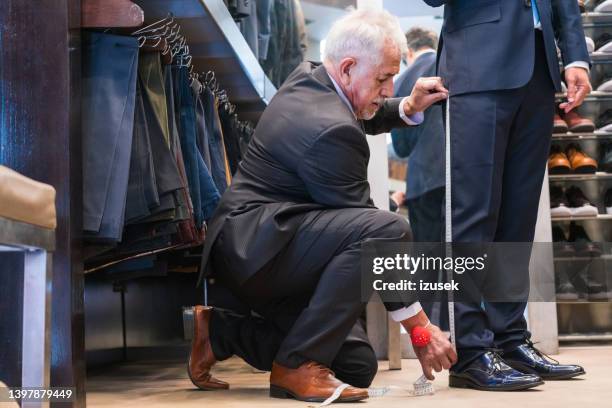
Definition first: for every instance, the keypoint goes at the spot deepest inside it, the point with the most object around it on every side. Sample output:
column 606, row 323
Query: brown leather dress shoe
column 559, row 125
column 202, row 358
column 310, row 382
column 578, row 124
column 580, row 162
column 558, row 163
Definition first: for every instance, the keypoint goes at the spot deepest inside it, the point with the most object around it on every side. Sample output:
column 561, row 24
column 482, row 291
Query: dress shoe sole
column 584, row 211
column 202, row 387
column 279, row 392
column 549, row 377
column 582, row 129
column 560, row 130
column 585, row 170
column 598, row 297
column 563, row 377
column 571, row 296
column 560, row 170
column 561, row 211
column 460, row 382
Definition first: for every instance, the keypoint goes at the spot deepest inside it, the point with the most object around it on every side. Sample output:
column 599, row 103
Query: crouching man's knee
column 357, row 365
column 385, row 224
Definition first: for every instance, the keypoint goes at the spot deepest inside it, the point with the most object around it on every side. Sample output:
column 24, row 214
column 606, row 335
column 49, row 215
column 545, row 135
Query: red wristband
column 420, row 336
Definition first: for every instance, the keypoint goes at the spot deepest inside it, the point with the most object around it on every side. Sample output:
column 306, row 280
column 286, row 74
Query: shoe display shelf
column 583, row 242
column 560, row 137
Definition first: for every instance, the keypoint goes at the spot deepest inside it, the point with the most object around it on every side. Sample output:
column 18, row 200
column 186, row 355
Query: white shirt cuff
column 406, row 312
column 411, row 120
column 579, row 64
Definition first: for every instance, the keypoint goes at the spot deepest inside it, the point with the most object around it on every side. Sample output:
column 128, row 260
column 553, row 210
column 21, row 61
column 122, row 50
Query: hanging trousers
column 110, row 65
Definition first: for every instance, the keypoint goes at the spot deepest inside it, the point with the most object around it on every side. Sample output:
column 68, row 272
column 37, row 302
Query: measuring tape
column 449, row 221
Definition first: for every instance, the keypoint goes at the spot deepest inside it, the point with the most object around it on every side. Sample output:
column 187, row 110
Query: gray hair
column 363, row 33
column 419, row 38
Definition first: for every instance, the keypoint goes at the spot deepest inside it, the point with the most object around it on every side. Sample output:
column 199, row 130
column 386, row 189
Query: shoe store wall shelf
column 583, row 258
column 580, row 188
column 595, row 96
column 585, row 337
column 597, row 58
column 594, row 19
column 599, row 217
column 217, row 44
column 581, row 136
column 579, row 177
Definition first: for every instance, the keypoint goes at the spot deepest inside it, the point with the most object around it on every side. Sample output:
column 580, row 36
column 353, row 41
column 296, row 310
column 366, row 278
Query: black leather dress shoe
column 490, row 373
column 528, row 359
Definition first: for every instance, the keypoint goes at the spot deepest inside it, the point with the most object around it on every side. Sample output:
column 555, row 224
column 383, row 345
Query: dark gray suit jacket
column 308, row 153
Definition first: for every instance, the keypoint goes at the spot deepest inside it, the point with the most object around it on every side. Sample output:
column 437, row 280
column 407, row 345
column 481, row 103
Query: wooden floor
column 165, row 384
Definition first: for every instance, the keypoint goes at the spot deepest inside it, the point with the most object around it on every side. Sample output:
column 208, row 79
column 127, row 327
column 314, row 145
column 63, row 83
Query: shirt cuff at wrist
column 579, row 64
column 411, row 120
column 406, row 312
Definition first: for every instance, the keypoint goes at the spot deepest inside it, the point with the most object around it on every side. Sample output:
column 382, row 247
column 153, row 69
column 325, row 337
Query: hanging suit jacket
column 488, row 45
column 308, row 152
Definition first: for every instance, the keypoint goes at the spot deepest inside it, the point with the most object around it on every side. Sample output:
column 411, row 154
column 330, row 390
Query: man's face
column 372, row 83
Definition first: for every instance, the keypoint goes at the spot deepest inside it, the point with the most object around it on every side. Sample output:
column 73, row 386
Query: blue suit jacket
column 488, row 44
column 423, row 144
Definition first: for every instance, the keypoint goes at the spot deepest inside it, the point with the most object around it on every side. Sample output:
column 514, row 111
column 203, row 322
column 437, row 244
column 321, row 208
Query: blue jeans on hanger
column 110, row 64
column 204, row 194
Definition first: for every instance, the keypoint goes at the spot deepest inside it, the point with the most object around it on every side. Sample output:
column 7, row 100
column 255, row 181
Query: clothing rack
column 164, row 37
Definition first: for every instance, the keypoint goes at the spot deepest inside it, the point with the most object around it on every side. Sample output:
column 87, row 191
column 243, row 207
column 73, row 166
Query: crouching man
column 286, row 237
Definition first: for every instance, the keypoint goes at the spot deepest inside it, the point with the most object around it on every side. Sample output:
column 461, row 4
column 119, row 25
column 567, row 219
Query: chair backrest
column 26, row 200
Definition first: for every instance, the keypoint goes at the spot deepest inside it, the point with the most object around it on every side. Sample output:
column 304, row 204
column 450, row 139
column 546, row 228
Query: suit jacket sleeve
column 386, row 118
column 567, row 23
column 334, row 169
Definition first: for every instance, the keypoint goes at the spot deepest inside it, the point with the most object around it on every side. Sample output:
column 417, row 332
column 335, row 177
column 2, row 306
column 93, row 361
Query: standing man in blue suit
column 499, row 60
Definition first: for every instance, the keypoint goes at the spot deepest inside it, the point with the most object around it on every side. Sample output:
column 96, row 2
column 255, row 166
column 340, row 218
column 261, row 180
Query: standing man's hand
column 578, row 87
column 425, row 93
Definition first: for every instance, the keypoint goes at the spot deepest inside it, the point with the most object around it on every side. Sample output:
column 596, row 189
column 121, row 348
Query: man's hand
column 578, row 87
column 438, row 354
column 425, row 93
column 398, row 198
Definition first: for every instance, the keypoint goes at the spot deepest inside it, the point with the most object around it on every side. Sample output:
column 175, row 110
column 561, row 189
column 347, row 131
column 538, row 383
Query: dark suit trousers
column 500, row 143
column 308, row 297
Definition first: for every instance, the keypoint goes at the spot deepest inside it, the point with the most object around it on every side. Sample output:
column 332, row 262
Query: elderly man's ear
column 346, row 65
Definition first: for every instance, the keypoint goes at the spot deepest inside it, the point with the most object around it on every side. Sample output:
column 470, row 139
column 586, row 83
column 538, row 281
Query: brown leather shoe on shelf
column 580, row 162
column 559, row 125
column 558, row 163
column 578, row 124
column 202, row 358
column 310, row 382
